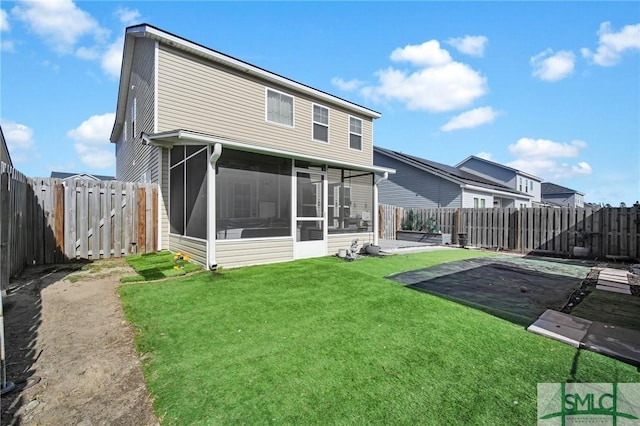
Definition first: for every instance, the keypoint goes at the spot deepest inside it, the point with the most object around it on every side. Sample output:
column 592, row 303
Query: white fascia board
column 498, row 192
column 212, row 55
column 185, row 137
column 123, row 89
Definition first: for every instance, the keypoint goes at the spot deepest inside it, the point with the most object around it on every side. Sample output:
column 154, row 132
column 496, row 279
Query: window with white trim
column 479, row 203
column 320, row 123
column 133, row 118
column 355, row 133
column 279, row 108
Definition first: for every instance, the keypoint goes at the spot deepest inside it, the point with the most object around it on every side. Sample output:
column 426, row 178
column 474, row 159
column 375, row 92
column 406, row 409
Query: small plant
column 180, row 260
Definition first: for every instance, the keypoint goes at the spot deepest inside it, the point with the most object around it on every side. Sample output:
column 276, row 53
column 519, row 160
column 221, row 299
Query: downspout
column 211, row 207
column 376, row 219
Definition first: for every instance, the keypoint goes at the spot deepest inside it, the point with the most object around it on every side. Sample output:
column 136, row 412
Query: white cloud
column 434, row 89
column 127, row 16
column 346, row 85
column 60, row 23
column 469, row 119
column 112, row 59
column 4, row 21
column 545, row 148
column 439, row 84
column 485, row 155
column 95, row 158
column 540, row 158
column 550, row 66
column 88, row 53
column 20, row 143
column 611, row 45
column 428, row 53
column 470, row 45
column 95, row 130
column 92, row 141
column 18, row 136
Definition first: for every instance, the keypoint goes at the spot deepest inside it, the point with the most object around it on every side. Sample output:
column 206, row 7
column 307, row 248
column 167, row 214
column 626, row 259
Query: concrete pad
column 612, row 284
column 562, row 327
column 565, row 319
column 616, row 342
column 613, row 279
column 617, row 272
column 614, row 289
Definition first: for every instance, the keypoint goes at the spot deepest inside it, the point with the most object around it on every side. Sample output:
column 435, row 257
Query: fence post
column 142, row 211
column 59, row 215
column 5, row 266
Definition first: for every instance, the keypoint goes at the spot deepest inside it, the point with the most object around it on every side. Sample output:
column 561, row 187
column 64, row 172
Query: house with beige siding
column 253, row 167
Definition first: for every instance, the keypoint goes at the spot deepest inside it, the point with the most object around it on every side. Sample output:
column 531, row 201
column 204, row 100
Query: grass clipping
column 160, row 265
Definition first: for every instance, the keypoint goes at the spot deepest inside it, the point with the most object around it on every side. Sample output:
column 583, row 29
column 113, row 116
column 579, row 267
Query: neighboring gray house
column 561, row 196
column 253, row 167
column 4, row 150
column 423, row 183
column 85, row 176
column 513, row 178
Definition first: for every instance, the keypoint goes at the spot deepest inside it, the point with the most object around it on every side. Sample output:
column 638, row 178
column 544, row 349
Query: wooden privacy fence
column 44, row 221
column 606, row 232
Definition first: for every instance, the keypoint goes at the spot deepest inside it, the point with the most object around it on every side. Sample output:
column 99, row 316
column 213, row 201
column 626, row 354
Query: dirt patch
column 70, row 351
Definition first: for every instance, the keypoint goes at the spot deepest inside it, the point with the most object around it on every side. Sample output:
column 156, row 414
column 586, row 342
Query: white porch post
column 376, row 219
column 211, row 206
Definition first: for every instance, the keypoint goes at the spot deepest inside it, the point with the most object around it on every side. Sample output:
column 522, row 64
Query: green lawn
column 324, row 341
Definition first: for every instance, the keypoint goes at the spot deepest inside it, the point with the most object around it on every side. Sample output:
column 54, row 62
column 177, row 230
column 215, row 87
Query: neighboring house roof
column 146, row 30
column 4, row 150
column 450, row 173
column 87, row 176
column 523, row 173
column 548, row 188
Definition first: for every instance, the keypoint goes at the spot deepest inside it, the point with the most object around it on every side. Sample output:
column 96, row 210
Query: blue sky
column 552, row 88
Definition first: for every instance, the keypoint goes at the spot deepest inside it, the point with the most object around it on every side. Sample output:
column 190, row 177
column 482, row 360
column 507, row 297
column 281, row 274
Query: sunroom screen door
column 310, row 228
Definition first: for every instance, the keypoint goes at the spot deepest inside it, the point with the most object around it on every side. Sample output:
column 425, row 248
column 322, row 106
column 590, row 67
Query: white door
column 310, row 216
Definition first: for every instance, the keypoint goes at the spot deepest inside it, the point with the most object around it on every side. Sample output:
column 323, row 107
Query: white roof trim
column 168, row 139
column 497, row 192
column 493, row 163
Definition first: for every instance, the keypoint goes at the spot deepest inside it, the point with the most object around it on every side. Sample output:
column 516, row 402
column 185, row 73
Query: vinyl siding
column 235, row 253
column 133, row 160
column 468, row 196
column 343, row 241
column 411, row 187
column 562, row 199
column 196, row 95
column 196, row 249
column 490, row 171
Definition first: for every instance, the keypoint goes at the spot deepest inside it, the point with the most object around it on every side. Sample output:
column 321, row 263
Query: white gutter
column 211, row 209
column 376, row 219
column 162, row 139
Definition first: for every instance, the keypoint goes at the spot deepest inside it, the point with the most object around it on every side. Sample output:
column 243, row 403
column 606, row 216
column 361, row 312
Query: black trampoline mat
column 518, row 290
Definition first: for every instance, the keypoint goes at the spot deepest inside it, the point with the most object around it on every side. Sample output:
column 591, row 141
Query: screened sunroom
column 231, row 204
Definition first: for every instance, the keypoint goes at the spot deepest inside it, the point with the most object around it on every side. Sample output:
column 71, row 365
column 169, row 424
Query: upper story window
column 531, row 185
column 320, row 123
column 355, row 133
column 520, row 182
column 279, row 108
